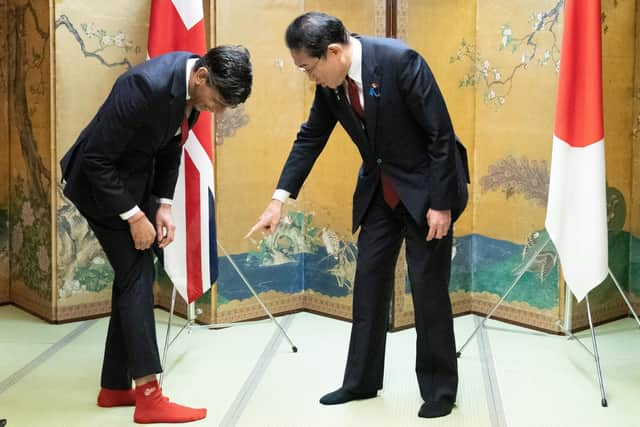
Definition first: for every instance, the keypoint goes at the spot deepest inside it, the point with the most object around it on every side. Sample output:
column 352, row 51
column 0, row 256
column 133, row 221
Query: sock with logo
column 153, row 407
column 108, row 398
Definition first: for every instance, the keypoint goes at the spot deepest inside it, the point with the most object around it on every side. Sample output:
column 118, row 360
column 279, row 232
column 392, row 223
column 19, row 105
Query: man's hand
column 165, row 228
column 142, row 231
column 439, row 223
column 268, row 221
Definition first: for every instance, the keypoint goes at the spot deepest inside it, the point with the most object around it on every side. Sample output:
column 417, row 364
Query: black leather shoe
column 435, row 409
column 343, row 396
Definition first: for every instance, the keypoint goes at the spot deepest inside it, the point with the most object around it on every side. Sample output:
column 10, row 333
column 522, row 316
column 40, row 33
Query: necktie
column 354, row 98
column 388, row 191
column 184, row 130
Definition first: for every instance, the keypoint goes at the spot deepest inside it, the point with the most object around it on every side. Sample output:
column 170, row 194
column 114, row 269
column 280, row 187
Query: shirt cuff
column 163, row 201
column 131, row 212
column 281, row 195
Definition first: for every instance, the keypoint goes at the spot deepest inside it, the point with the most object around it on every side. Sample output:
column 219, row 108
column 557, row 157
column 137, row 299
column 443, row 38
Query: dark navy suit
column 128, row 155
column 408, row 136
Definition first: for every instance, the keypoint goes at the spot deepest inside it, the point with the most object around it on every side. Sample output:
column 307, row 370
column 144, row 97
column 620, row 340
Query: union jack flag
column 191, row 261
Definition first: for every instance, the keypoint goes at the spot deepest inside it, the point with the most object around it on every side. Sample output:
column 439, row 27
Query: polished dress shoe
column 342, row 396
column 435, row 409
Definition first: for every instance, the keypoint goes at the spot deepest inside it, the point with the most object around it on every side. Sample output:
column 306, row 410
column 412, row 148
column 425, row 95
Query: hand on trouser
column 142, row 231
column 439, row 223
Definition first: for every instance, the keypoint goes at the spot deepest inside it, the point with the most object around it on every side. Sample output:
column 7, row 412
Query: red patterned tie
column 354, row 98
column 184, row 130
column 389, row 192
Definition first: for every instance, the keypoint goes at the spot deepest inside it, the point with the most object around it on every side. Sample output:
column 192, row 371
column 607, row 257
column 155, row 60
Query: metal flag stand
column 191, row 317
column 566, row 328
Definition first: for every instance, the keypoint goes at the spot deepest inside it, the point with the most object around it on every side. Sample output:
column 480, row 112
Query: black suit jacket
column 129, row 150
column 408, row 134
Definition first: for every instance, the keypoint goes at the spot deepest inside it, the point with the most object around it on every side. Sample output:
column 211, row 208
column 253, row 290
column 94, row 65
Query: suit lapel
column 371, row 78
column 352, row 123
column 178, row 98
column 176, row 112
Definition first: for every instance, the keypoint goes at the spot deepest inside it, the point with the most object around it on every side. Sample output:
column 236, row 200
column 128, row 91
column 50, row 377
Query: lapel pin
column 374, row 90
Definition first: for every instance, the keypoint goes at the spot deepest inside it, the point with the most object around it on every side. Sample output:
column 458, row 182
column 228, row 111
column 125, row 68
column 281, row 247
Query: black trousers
column 131, row 348
column 429, row 265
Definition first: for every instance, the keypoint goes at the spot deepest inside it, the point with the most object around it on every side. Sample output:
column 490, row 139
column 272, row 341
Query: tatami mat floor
column 248, row 376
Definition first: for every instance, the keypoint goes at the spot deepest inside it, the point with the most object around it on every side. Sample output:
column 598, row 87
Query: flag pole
column 603, row 400
column 264, row 307
column 624, row 297
column 513, row 285
column 191, row 317
column 166, row 339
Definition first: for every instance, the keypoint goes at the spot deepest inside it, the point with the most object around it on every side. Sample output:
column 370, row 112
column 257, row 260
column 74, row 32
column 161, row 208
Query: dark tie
column 184, row 130
column 389, row 192
column 354, row 98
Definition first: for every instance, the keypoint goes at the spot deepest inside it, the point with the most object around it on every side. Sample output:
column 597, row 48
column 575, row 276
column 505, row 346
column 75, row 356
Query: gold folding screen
column 309, row 263
column 496, row 63
column 25, row 198
column 4, row 157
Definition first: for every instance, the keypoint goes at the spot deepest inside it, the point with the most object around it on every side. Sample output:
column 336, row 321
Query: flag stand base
column 566, row 328
column 191, row 318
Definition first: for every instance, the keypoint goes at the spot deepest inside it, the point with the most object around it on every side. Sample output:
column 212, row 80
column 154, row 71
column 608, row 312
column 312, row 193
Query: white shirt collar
column 190, row 64
column 355, row 72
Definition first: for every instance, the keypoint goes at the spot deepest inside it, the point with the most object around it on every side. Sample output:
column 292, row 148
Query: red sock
column 153, row 407
column 108, row 398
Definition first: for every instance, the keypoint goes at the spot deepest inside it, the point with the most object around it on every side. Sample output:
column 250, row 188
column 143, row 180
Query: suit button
column 379, row 161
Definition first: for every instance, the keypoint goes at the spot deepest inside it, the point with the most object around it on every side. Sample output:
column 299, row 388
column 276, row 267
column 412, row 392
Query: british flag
column 191, row 261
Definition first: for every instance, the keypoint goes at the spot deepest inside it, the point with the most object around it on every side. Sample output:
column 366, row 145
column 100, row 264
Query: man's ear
column 335, row 49
column 201, row 75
